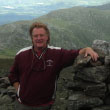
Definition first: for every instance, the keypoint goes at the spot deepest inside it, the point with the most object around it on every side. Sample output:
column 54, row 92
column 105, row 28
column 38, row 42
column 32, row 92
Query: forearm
column 16, row 85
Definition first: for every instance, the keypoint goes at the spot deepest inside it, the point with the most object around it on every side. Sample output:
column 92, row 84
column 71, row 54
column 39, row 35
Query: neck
column 39, row 49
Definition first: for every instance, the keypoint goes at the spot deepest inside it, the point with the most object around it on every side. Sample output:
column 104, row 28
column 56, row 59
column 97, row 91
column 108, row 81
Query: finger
column 85, row 54
column 92, row 56
column 95, row 56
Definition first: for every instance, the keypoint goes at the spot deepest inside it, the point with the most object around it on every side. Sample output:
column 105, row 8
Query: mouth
column 39, row 42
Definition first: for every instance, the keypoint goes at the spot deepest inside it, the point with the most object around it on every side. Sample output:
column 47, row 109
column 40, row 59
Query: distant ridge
column 102, row 7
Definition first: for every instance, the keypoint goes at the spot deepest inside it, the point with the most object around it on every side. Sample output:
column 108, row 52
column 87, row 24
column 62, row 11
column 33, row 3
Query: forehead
column 38, row 30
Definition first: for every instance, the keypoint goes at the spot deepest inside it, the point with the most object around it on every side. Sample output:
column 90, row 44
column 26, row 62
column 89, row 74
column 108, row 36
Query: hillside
column 102, row 7
column 70, row 28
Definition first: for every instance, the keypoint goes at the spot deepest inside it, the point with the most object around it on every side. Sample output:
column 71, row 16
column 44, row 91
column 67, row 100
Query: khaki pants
column 19, row 106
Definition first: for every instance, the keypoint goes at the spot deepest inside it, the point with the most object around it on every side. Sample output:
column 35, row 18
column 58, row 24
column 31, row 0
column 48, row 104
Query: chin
column 40, row 46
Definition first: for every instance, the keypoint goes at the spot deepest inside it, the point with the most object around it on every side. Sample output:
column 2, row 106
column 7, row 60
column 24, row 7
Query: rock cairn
column 90, row 88
column 7, row 94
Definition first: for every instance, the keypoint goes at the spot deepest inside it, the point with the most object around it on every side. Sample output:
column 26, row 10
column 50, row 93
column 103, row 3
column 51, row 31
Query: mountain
column 75, row 27
column 102, row 7
column 14, row 13
column 12, row 17
column 78, row 24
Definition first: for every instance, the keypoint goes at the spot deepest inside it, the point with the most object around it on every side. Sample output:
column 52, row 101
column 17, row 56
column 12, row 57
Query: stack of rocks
column 7, row 93
column 90, row 88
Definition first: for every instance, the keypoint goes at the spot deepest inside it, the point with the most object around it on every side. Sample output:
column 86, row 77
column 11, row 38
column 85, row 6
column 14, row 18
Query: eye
column 41, row 35
column 34, row 35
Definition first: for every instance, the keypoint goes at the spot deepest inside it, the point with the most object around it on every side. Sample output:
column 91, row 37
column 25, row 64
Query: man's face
column 39, row 38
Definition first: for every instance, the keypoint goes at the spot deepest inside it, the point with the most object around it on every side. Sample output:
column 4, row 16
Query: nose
column 38, row 37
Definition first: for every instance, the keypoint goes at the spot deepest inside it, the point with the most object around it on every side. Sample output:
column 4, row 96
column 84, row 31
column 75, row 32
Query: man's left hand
column 89, row 51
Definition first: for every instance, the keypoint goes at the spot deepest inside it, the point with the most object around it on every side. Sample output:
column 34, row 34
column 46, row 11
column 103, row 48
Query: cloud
column 8, row 7
column 40, row 3
column 83, row 2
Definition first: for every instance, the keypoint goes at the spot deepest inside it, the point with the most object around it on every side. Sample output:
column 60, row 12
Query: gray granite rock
column 102, row 108
column 5, row 80
column 91, row 83
column 107, row 99
column 88, row 88
column 96, row 90
column 82, row 61
column 108, row 88
column 78, row 101
column 5, row 99
column 3, row 91
column 101, row 46
column 107, row 60
column 3, row 85
column 11, row 91
column 94, row 74
column 108, row 79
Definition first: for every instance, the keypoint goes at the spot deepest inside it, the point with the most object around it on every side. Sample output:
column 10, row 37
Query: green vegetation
column 7, row 53
column 5, row 65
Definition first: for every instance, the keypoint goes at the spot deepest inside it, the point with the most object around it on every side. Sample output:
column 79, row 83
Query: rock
column 81, row 61
column 78, row 101
column 94, row 74
column 13, row 96
column 89, row 89
column 102, row 108
column 107, row 99
column 7, row 93
column 101, row 46
column 3, row 91
column 5, row 80
column 11, row 91
column 97, row 63
column 109, row 88
column 3, row 85
column 76, row 85
column 5, row 99
column 108, row 79
column 96, row 90
column 107, row 60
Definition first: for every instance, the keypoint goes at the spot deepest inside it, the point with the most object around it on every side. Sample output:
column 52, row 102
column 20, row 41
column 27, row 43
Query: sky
column 7, row 6
column 49, row 2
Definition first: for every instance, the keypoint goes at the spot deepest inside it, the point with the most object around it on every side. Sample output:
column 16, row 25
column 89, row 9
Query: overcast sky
column 13, row 3
column 28, row 6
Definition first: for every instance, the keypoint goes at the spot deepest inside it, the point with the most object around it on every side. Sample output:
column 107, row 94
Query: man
column 36, row 69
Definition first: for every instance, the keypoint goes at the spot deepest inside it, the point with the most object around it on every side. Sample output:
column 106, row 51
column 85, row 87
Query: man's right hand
column 16, row 85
